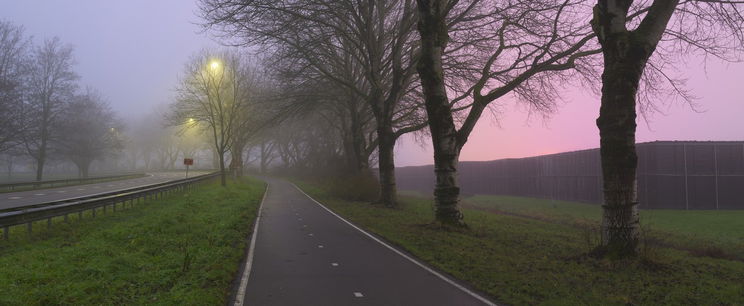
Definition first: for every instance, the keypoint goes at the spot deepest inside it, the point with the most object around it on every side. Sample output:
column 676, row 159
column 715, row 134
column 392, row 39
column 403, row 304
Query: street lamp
column 214, row 65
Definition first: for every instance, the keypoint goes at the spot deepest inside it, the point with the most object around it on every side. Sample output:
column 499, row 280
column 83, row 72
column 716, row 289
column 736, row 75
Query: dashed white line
column 320, row 246
column 61, row 191
column 335, row 264
column 80, row 189
column 39, row 194
column 358, row 294
column 15, row 198
column 409, row 258
column 311, row 234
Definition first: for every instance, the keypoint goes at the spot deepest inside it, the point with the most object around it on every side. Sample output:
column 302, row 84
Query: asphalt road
column 31, row 197
column 304, row 255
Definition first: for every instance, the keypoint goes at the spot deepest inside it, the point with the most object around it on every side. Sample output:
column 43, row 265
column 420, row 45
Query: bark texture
column 625, row 56
column 388, row 190
column 433, row 30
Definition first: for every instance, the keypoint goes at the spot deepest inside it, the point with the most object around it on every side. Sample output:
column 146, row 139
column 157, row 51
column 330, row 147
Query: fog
column 132, row 55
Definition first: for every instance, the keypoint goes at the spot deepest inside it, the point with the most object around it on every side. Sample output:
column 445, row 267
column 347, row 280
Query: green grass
column 518, row 260
column 184, row 249
column 687, row 229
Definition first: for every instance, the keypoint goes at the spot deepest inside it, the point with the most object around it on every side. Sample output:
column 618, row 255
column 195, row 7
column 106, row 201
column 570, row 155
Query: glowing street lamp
column 214, row 65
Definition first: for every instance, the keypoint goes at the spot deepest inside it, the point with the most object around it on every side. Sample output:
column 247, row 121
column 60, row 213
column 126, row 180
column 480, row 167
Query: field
column 691, row 229
column 542, row 257
column 183, row 249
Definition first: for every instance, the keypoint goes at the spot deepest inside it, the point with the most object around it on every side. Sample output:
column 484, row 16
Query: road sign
column 188, row 162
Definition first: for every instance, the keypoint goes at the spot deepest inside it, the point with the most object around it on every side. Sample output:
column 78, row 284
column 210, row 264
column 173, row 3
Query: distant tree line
column 44, row 113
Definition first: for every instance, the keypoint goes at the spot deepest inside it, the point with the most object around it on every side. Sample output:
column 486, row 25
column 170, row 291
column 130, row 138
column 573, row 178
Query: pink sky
column 133, row 52
column 720, row 90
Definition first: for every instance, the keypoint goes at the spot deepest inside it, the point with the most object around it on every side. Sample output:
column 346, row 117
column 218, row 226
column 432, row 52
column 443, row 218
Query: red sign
column 188, row 161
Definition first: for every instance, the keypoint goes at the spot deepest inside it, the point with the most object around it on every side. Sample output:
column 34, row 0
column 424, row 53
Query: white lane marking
column 304, row 225
column 335, row 264
column 311, row 234
column 62, row 191
column 437, row 274
column 358, row 294
column 320, row 246
column 81, row 189
column 39, row 194
column 15, row 198
column 249, row 261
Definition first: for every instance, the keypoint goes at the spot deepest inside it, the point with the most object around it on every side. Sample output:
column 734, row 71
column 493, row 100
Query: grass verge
column 518, row 260
column 694, row 230
column 183, row 249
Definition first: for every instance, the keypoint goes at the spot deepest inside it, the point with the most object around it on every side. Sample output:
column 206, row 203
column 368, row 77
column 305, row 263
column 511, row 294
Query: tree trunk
column 360, row 160
column 433, row 30
column 223, row 173
column 236, row 162
column 40, row 160
column 617, row 125
column 625, row 56
column 386, row 146
column 84, row 169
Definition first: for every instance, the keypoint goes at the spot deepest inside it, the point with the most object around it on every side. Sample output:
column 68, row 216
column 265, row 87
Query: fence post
column 687, row 196
column 715, row 163
column 6, row 232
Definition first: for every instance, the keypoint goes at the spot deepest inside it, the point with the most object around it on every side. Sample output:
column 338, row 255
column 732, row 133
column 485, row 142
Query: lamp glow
column 214, row 65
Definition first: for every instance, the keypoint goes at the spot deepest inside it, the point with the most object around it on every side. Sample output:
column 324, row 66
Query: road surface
column 304, row 255
column 31, row 197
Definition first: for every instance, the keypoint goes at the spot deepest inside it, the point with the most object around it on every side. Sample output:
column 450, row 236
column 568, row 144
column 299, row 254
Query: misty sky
column 133, row 51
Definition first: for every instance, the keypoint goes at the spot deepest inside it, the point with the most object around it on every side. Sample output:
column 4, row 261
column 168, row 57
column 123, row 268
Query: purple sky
column 720, row 89
column 132, row 51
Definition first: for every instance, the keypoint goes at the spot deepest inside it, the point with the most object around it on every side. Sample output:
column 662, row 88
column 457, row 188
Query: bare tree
column 213, row 92
column 339, row 40
column 13, row 53
column 89, row 131
column 630, row 32
column 483, row 51
column 51, row 84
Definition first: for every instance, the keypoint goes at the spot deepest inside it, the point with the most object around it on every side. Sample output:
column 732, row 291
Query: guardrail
column 51, row 183
column 46, row 211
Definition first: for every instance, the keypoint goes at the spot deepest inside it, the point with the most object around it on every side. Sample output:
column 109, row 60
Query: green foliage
column 183, row 249
column 519, row 260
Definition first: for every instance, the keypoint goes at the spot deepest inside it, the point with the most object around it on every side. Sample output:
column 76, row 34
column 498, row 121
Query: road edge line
column 240, row 295
column 411, row 259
